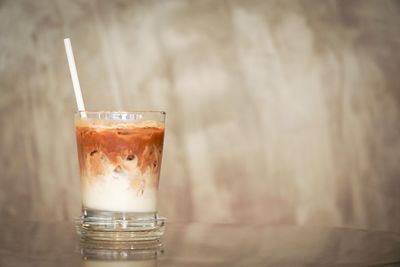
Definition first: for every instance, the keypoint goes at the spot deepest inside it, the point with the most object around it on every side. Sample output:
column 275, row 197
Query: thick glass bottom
column 120, row 226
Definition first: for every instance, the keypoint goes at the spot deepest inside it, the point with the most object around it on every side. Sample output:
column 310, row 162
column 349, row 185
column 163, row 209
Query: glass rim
column 120, row 111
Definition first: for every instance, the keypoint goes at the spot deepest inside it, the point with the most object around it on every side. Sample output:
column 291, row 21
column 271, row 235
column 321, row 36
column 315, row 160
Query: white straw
column 74, row 76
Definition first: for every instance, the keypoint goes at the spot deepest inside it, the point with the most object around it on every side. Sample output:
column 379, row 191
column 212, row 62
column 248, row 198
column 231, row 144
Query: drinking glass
column 120, row 155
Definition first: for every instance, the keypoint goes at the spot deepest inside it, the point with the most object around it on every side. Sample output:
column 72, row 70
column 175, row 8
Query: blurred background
column 279, row 112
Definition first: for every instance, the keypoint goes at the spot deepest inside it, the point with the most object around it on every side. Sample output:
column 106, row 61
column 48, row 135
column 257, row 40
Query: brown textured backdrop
column 278, row 111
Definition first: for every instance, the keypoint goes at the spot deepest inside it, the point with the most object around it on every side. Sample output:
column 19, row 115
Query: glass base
column 120, row 226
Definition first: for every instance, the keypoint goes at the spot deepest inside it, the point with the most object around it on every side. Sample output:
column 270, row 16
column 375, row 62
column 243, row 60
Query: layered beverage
column 120, row 158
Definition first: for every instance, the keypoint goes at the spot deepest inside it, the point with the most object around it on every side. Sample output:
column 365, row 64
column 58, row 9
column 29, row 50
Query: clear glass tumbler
column 120, row 157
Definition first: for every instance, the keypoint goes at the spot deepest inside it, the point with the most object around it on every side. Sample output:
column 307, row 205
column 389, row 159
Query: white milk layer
column 114, row 192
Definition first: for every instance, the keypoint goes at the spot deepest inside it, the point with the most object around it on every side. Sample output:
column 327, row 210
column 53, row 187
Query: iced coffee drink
column 120, row 159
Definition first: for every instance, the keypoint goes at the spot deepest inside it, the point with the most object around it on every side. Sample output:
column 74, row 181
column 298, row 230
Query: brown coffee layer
column 99, row 146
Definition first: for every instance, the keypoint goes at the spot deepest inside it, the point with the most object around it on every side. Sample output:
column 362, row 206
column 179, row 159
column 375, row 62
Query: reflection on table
column 109, row 256
column 56, row 244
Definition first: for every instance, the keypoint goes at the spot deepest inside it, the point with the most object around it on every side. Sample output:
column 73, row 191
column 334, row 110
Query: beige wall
column 278, row 111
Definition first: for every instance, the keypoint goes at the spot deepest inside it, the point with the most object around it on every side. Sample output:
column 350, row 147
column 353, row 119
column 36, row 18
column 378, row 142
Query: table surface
column 56, row 244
